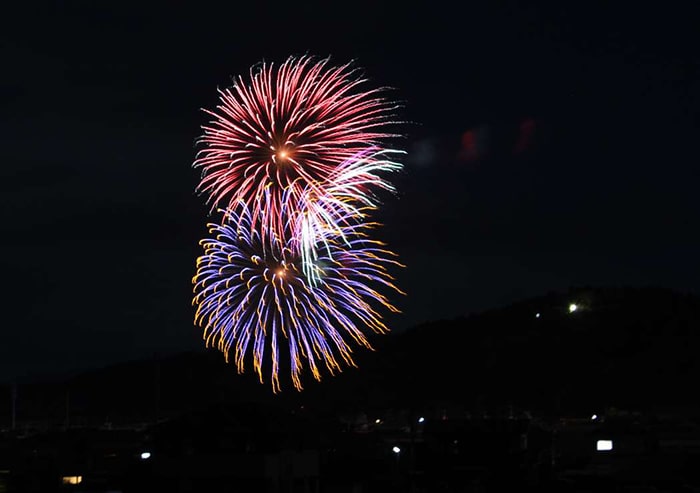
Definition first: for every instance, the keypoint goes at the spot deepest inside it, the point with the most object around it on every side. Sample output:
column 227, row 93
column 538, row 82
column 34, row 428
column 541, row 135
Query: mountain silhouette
column 621, row 347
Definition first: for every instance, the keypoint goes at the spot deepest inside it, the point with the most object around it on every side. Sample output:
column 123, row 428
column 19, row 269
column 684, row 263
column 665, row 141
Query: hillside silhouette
column 622, row 347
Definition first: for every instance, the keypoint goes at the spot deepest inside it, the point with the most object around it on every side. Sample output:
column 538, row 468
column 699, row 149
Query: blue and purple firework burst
column 254, row 300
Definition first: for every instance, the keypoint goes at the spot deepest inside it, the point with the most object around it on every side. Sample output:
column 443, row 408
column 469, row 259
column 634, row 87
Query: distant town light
column 378, row 421
column 145, row 455
column 573, row 307
column 421, row 419
column 396, row 450
column 602, row 445
column 594, row 417
column 72, row 479
column 537, row 315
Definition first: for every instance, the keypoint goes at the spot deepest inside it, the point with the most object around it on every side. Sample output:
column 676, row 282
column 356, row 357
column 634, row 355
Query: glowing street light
column 594, row 417
column 396, row 449
column 573, row 307
column 421, row 419
column 145, row 455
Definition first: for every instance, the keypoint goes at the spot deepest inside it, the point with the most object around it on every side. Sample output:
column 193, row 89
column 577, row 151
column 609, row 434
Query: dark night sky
column 100, row 111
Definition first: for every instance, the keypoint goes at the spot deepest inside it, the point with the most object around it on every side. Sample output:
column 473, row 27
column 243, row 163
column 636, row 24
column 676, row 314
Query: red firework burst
column 283, row 132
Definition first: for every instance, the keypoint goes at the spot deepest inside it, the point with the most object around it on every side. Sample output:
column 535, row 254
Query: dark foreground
column 397, row 450
column 507, row 398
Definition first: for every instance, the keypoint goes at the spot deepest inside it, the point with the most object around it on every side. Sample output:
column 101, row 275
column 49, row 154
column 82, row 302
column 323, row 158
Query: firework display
column 250, row 295
column 344, row 198
column 292, row 163
column 285, row 131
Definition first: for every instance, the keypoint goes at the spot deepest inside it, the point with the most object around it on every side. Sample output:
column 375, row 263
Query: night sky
column 549, row 146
